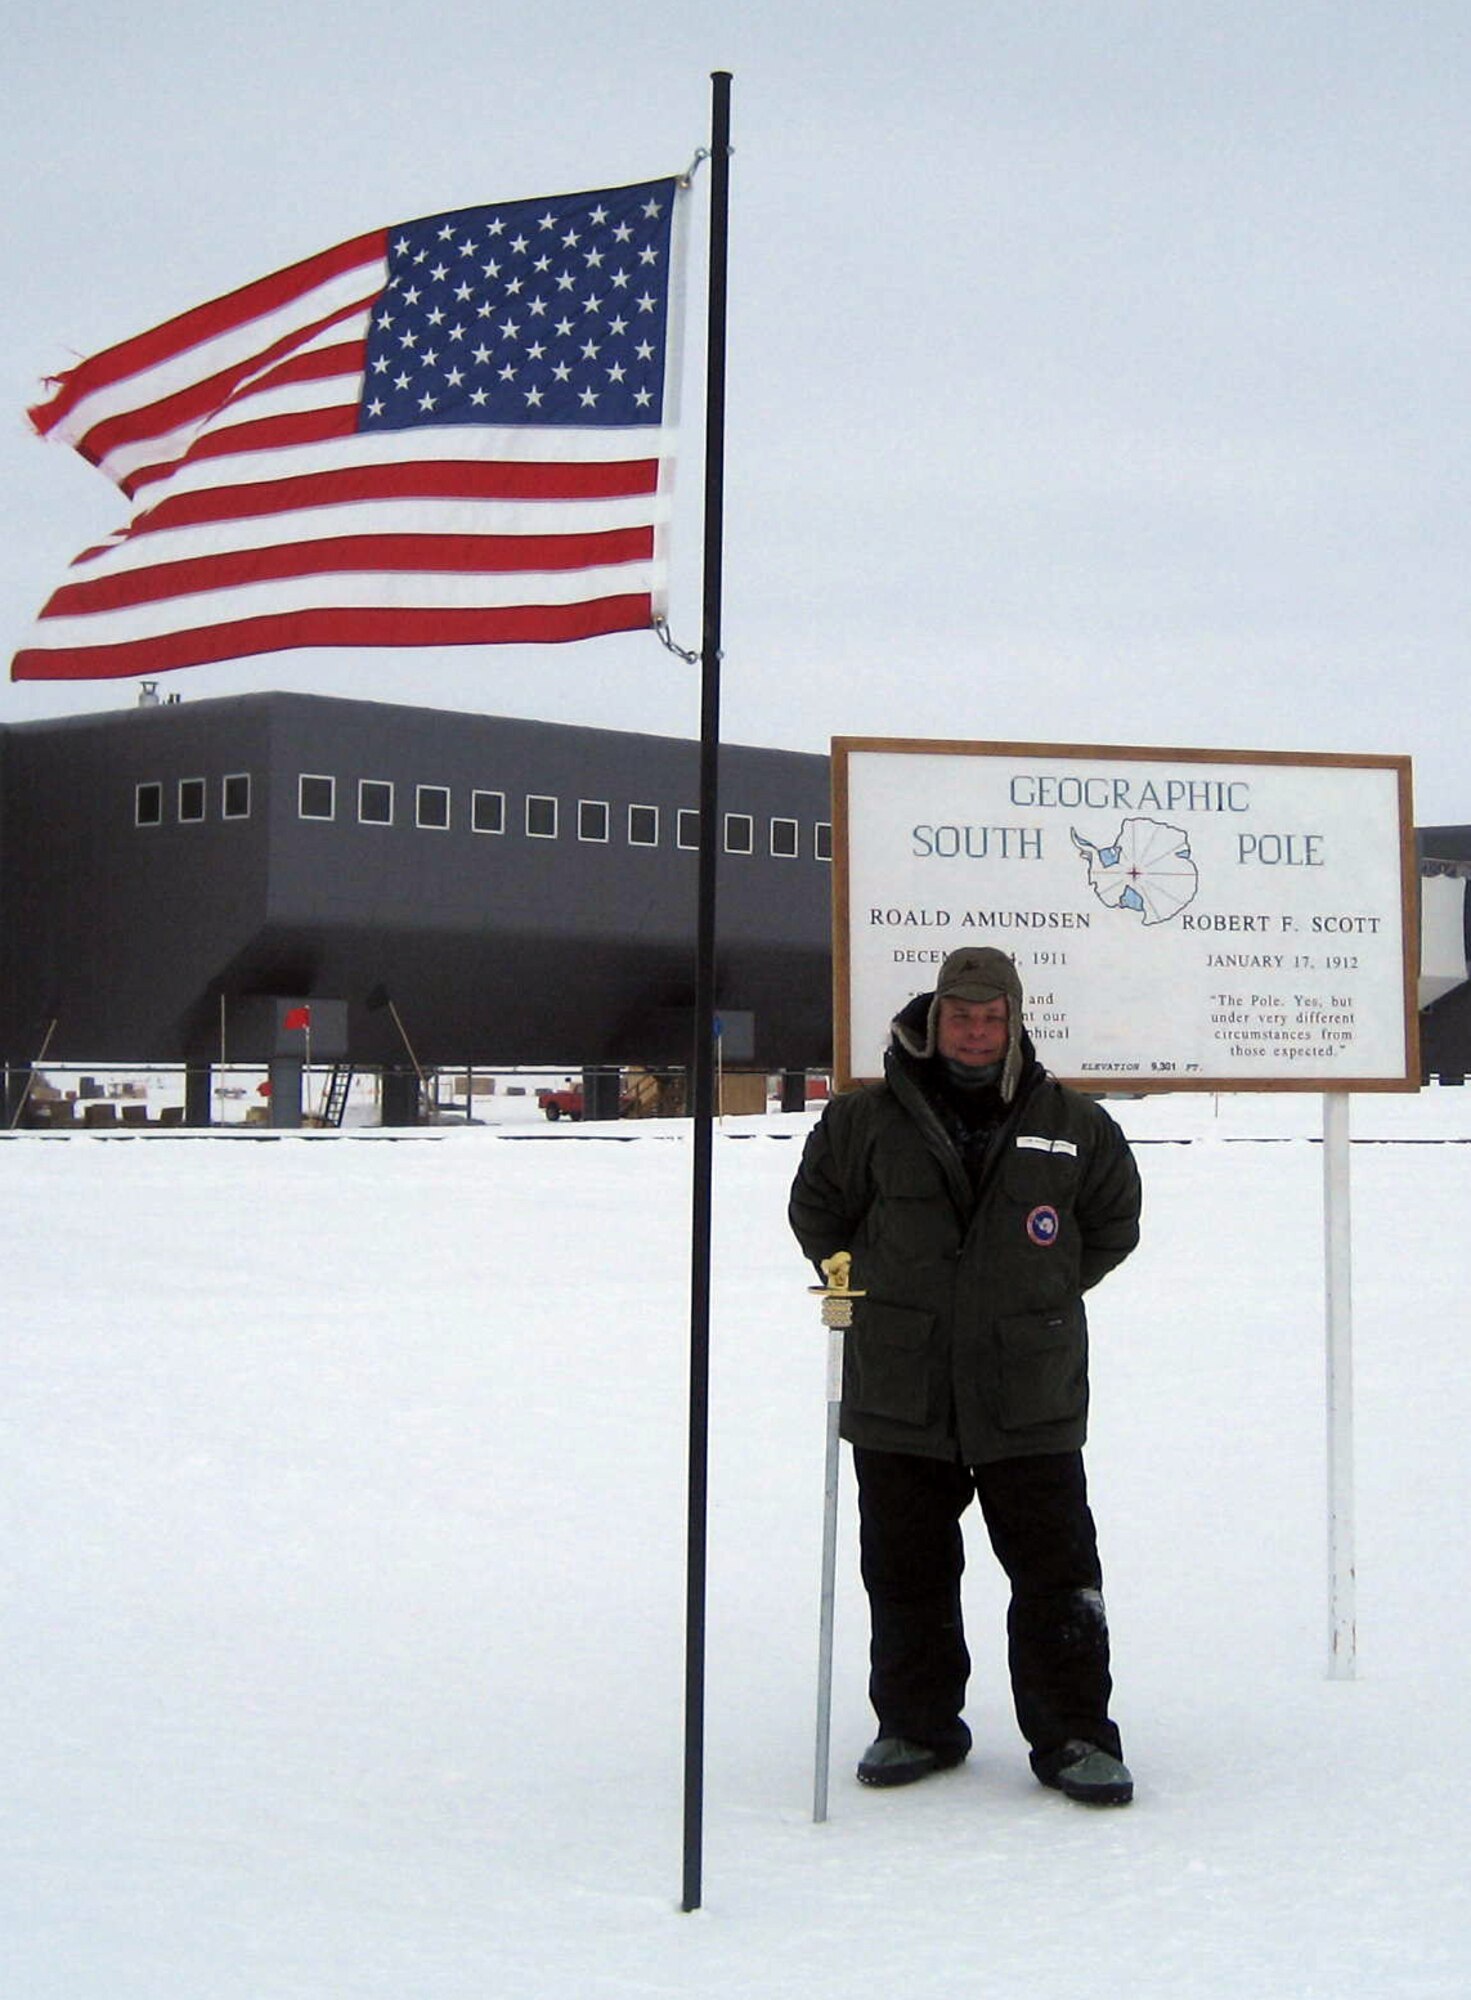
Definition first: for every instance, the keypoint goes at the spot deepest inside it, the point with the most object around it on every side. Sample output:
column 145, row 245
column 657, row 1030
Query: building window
column 687, row 831
column 235, row 795
column 784, row 839
column 822, row 841
column 740, row 833
column 148, row 805
column 643, row 826
column 316, row 797
column 541, row 817
column 375, row 802
column 488, row 812
column 592, row 819
column 431, row 807
column 191, row 800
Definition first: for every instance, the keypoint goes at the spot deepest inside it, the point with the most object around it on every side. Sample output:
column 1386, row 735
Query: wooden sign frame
column 1213, row 920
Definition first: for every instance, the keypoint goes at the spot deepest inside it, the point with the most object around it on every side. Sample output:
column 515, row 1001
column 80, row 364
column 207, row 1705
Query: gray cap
column 980, row 972
column 976, row 972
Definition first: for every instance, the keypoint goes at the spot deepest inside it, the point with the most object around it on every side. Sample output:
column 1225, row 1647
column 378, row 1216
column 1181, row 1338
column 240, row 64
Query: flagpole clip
column 702, row 153
column 661, row 629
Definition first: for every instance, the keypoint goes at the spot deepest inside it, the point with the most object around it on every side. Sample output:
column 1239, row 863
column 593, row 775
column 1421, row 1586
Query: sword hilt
column 837, row 1294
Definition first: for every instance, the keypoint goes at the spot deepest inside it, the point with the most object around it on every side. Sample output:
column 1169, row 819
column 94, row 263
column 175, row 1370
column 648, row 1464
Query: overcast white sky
column 1099, row 372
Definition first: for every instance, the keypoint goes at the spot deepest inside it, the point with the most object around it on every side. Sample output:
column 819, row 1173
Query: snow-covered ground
column 343, row 1554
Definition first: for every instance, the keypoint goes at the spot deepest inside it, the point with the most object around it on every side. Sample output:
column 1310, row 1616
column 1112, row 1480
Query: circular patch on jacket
column 1043, row 1225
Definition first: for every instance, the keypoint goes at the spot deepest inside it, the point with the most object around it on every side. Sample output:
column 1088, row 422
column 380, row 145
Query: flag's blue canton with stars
column 546, row 312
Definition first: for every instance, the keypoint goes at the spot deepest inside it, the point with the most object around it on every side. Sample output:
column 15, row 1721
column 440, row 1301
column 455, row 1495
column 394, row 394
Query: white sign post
column 1337, row 1257
column 1207, row 920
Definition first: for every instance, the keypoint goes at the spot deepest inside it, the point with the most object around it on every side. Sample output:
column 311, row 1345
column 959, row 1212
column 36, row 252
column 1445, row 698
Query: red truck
column 563, row 1103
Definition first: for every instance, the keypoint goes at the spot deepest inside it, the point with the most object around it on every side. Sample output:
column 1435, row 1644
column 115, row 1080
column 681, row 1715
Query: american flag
column 456, row 431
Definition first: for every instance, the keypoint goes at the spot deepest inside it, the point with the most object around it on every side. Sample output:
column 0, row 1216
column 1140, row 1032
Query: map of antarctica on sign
column 1148, row 869
column 1181, row 919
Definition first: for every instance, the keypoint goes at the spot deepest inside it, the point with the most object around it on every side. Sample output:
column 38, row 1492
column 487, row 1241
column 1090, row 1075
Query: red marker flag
column 297, row 1017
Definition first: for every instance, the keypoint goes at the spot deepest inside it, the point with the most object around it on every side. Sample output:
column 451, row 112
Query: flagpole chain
column 661, row 629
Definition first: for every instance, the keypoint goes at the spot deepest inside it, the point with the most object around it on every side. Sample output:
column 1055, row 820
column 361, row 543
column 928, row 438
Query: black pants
column 1037, row 1515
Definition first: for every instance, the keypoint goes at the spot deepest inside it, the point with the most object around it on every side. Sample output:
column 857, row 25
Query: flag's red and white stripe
column 264, row 519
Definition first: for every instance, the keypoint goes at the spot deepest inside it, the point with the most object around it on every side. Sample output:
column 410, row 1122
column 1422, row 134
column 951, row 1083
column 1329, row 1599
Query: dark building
column 1445, row 1019
column 524, row 892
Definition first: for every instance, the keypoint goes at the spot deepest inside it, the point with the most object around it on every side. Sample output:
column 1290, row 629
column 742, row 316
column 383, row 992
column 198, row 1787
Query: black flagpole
column 704, row 1051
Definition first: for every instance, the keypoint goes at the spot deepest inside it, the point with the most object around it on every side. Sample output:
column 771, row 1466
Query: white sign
column 1181, row 919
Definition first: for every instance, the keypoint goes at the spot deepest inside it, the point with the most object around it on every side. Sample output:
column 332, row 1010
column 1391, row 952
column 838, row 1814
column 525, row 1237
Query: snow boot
column 1083, row 1772
column 894, row 1760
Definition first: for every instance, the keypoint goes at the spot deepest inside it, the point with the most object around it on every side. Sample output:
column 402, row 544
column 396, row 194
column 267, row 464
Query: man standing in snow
column 980, row 1199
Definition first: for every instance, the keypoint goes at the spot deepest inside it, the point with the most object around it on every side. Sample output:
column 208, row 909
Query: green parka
column 972, row 1341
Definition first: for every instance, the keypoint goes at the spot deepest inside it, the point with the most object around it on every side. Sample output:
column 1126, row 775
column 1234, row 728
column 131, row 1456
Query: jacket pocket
column 912, row 1221
column 908, row 1176
column 1044, row 1367
column 886, row 1355
column 1032, row 1173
